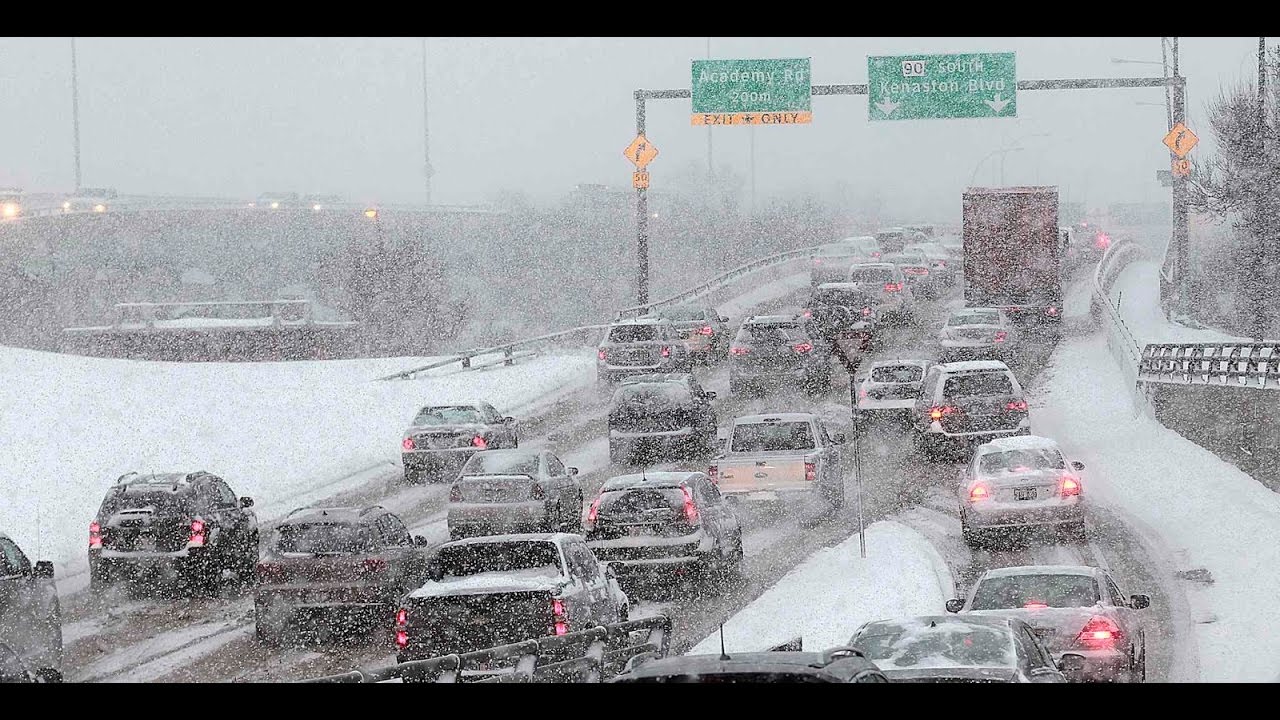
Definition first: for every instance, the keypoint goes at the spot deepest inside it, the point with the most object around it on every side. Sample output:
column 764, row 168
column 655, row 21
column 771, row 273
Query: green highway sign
column 916, row 87
column 751, row 92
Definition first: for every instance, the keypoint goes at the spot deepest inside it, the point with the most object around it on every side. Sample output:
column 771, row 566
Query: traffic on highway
column 635, row 437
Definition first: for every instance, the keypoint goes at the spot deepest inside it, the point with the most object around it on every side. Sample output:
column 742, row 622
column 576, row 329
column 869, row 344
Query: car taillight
column 706, row 330
column 862, row 392
column 373, row 565
column 408, row 444
column 892, row 287
column 269, row 572
column 1034, row 605
column 713, row 474
column 690, row 510
column 866, row 312
column 1069, row 486
column 810, row 471
column 1018, row 405
column 1001, row 336
column 978, row 492
column 561, row 619
column 1051, row 311
column 593, row 513
column 602, row 354
column 666, row 351
column 537, row 493
column 739, row 350
column 941, row 263
column 1099, row 633
column 480, row 442
column 197, row 533
column 802, row 347
column 807, row 314
column 455, row 493
column 95, row 536
column 1102, row 242
column 936, row 413
column 402, row 628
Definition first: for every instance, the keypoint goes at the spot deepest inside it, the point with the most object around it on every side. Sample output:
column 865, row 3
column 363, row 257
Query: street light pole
column 711, row 168
column 1262, row 219
column 75, row 111
column 428, row 171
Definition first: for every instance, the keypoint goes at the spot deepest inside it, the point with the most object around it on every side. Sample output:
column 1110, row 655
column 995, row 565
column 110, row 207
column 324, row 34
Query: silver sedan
column 977, row 334
column 1020, row 482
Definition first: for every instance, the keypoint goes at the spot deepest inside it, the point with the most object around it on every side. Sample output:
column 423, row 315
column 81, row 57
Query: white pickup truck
column 767, row 456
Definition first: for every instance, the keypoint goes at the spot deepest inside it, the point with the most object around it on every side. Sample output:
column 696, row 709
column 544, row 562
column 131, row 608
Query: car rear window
column 448, row 415
column 847, row 298
column 684, row 314
column 633, row 333
column 637, row 501
column 325, row 538
column 944, row 644
column 897, row 374
column 974, row 318
column 772, row 334
column 980, row 384
column 763, row 437
column 872, row 275
column 162, row 501
column 501, row 464
column 1022, row 460
column 473, row 559
column 1020, row 591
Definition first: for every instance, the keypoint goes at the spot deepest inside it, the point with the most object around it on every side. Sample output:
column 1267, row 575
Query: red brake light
column 810, row 472
column 602, row 354
column 1103, row 241
column 892, row 287
column 373, row 565
column 1051, row 311
column 690, row 510
column 455, row 493
column 95, row 535
column 739, row 350
column 979, row 492
column 1018, row 405
column 1099, row 632
column 1070, row 486
column 713, row 474
column 802, row 347
column 480, row 442
column 862, row 391
column 936, row 413
column 561, row 622
column 402, row 639
column 666, row 351
column 402, row 618
column 537, row 493
column 807, row 314
column 408, row 444
column 1035, row 605
column 1001, row 336
column 866, row 312
column 706, row 330
column 593, row 512
column 197, row 533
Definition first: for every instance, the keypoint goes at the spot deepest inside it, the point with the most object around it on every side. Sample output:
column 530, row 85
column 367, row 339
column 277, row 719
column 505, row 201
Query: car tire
column 247, row 565
column 49, row 675
column 573, row 522
column 1140, row 667
column 99, row 579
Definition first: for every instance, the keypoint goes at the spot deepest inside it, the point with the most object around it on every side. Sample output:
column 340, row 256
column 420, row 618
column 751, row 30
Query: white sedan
column 1020, row 482
column 977, row 333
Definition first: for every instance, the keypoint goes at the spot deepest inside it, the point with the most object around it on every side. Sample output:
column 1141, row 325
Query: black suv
column 181, row 527
column 30, row 617
column 659, row 417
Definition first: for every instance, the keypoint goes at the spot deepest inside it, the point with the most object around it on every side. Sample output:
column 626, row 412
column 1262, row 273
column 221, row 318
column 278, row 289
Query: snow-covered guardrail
column 592, row 655
column 1245, row 365
column 1124, row 346
column 510, row 355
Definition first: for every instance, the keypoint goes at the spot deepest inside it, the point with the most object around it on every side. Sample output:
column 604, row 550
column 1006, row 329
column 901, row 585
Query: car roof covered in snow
column 786, row 417
column 329, row 514
column 1017, row 442
column 917, row 362
column 1040, row 570
column 834, row 664
column 171, row 481
column 770, row 320
column 882, row 265
column 682, row 378
column 512, row 452
column 558, row 538
column 926, row 620
column 973, row 366
column 642, row 320
column 648, row 479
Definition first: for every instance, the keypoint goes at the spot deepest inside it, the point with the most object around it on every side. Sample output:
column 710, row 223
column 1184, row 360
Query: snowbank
column 1204, row 511
column 1137, row 287
column 72, row 425
column 835, row 590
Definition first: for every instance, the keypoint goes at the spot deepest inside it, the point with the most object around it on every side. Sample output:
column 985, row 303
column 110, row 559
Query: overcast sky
column 240, row 116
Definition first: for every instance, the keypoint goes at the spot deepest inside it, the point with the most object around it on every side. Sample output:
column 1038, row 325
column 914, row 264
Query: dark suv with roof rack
column 351, row 561
column 181, row 527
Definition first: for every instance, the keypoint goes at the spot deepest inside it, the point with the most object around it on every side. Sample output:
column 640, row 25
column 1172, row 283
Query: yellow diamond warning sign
column 1180, row 140
column 641, row 152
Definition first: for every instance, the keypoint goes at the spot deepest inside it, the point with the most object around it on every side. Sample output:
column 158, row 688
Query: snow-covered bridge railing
column 1244, row 365
column 592, row 655
column 1124, row 346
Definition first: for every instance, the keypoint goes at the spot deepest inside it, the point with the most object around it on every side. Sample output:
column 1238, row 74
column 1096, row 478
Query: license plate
column 1024, row 493
column 145, row 542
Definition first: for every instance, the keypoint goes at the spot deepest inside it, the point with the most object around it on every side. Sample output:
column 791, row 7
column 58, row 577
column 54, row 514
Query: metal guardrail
column 508, row 349
column 1252, row 365
column 1116, row 258
column 592, row 655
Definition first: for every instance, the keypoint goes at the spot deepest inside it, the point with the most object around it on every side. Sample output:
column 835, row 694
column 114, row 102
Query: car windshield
column 939, row 644
column 870, row 275
column 501, row 463
column 633, row 333
column 1021, row 460
column 974, row 318
column 897, row 374
column 324, row 538
column 472, row 559
column 1021, row 591
column 764, row 437
column 448, row 415
column 980, row 384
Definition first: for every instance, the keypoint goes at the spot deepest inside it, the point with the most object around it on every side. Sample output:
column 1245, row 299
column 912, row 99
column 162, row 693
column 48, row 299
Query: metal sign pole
column 642, row 220
column 857, row 472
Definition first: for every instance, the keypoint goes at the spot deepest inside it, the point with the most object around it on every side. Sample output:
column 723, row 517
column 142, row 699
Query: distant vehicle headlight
column 275, row 205
column 316, row 207
column 66, row 206
column 11, row 209
column 99, row 208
